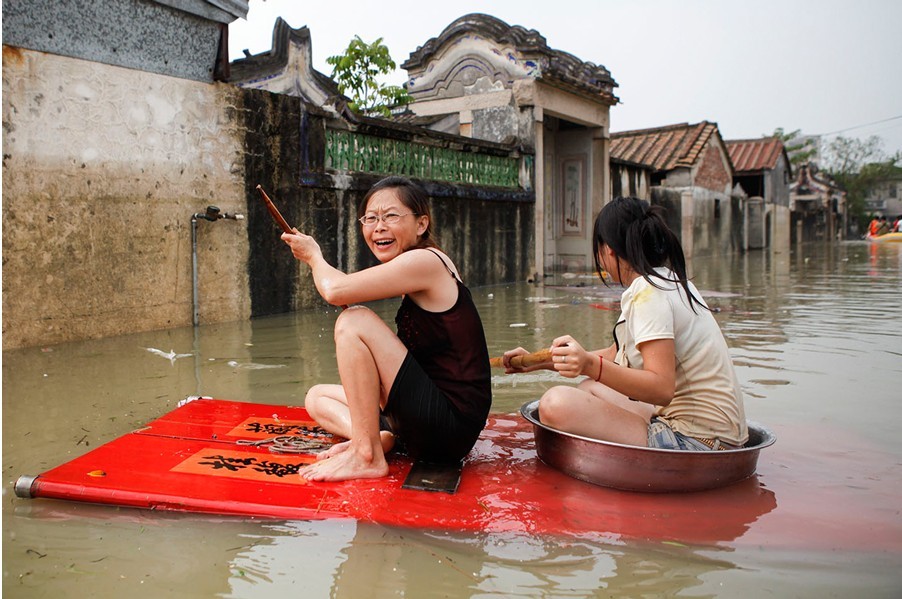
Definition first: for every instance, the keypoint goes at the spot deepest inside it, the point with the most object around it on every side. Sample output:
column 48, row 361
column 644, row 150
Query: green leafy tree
column 800, row 151
column 356, row 72
column 859, row 166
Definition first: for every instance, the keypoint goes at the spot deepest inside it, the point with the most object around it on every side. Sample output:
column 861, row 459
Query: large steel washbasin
column 632, row 468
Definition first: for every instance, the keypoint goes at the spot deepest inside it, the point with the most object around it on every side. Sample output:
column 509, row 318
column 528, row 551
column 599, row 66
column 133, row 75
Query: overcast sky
column 822, row 66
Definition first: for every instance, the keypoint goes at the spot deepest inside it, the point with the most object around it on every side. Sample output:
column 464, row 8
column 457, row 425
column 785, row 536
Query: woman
column 429, row 385
column 668, row 380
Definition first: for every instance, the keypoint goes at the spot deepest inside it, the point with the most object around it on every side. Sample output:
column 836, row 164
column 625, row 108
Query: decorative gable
column 478, row 53
column 288, row 69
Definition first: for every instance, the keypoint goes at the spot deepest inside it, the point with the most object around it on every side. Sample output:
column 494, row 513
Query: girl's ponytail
column 638, row 234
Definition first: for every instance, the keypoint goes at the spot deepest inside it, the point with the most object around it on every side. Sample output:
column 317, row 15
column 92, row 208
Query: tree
column 800, row 151
column 859, row 166
column 356, row 71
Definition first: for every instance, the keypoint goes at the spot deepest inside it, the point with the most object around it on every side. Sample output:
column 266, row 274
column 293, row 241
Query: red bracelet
column 600, row 369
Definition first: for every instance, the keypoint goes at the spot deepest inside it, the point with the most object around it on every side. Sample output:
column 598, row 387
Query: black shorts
column 424, row 420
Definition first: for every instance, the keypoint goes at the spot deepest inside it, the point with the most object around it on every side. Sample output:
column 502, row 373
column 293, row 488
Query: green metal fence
column 356, row 152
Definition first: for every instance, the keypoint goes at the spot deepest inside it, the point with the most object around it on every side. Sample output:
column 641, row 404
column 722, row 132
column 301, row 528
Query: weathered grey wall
column 628, row 180
column 487, row 233
column 102, row 169
column 138, row 34
column 756, row 233
column 706, row 222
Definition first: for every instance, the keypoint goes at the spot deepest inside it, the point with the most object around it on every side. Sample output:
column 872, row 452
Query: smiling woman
column 426, row 386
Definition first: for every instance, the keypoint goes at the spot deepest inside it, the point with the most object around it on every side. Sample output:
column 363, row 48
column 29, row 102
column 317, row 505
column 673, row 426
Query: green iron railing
column 356, row 152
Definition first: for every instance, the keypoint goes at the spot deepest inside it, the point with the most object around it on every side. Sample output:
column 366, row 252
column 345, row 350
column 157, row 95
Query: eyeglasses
column 391, row 218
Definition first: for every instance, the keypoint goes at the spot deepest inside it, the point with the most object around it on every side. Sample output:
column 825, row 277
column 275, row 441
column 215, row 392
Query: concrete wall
column 104, row 166
column 756, row 233
column 628, row 180
column 706, row 222
column 102, row 169
column 138, row 34
column 488, row 232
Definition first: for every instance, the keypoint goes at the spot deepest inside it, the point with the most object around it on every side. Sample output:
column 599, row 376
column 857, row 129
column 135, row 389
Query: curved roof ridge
column 555, row 65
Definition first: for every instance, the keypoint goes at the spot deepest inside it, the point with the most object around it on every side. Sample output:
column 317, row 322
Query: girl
column 428, row 385
column 667, row 381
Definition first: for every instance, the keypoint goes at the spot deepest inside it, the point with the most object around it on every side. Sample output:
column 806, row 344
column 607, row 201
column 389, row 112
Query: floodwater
column 815, row 334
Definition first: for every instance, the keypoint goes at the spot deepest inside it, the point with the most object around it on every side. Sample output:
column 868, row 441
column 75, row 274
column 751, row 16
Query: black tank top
column 450, row 346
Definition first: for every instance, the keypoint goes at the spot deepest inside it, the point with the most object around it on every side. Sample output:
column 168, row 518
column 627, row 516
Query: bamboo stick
column 525, row 360
column 274, row 211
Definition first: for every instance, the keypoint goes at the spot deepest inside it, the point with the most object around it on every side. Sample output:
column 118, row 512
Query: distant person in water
column 667, row 381
column 427, row 386
column 873, row 226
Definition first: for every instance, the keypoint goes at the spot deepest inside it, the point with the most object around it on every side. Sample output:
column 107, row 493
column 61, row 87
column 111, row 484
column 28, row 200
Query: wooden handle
column 275, row 211
column 524, row 361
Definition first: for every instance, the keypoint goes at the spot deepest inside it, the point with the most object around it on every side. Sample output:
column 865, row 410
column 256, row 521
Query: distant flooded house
column 690, row 173
column 762, row 175
column 817, row 204
column 886, row 196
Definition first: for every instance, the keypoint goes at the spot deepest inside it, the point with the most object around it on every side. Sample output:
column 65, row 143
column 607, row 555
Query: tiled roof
column 754, row 155
column 663, row 148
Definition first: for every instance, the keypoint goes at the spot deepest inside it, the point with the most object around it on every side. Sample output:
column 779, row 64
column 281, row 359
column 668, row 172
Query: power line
column 892, row 118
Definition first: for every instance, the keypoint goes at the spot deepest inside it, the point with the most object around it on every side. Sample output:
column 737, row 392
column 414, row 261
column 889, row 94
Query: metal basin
column 632, row 468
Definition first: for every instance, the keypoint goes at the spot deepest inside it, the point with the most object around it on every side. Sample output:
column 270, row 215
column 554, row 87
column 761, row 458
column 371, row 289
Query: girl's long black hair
column 638, row 234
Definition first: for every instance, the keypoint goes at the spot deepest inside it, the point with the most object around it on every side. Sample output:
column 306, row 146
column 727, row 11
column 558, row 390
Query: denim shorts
column 661, row 436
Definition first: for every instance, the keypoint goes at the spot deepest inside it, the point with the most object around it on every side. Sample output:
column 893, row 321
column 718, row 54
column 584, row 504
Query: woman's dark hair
column 638, row 234
column 414, row 199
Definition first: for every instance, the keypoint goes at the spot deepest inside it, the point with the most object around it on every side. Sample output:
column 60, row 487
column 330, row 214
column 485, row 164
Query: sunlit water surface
column 815, row 334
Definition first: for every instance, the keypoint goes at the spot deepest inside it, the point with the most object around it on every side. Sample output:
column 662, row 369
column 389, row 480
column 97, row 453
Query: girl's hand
column 506, row 360
column 570, row 359
column 303, row 247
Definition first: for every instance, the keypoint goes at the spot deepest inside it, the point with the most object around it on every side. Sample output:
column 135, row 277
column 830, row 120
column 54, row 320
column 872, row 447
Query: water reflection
column 815, row 337
column 350, row 560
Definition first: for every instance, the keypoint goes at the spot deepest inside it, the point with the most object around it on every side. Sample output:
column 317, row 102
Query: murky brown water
column 816, row 337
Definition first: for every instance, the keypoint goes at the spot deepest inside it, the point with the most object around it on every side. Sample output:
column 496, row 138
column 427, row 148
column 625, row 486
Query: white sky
column 822, row 66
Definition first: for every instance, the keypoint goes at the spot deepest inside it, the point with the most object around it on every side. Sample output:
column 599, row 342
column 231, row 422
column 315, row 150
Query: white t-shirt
column 707, row 402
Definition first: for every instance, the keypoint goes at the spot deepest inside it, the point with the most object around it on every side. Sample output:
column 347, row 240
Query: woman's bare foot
column 386, row 438
column 348, row 464
column 333, row 451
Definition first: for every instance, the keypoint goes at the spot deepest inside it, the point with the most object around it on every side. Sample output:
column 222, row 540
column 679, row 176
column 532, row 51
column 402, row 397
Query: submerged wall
column 486, row 229
column 104, row 166
column 706, row 222
column 102, row 169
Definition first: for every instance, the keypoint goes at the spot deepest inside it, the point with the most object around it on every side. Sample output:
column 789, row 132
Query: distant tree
column 356, row 71
column 859, row 166
column 800, row 151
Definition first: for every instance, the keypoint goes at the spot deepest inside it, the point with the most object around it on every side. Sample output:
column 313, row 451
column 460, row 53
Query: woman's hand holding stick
column 523, row 360
column 300, row 254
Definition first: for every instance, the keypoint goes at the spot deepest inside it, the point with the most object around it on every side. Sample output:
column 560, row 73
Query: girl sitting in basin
column 667, row 381
column 429, row 384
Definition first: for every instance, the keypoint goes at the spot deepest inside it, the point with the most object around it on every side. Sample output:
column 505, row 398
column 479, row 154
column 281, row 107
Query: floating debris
column 253, row 366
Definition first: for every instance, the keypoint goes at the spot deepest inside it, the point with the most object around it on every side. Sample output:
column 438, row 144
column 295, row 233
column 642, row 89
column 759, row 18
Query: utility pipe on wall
column 212, row 214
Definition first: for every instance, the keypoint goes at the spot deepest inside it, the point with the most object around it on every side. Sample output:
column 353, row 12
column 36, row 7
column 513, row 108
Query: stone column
column 539, row 118
column 687, row 215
